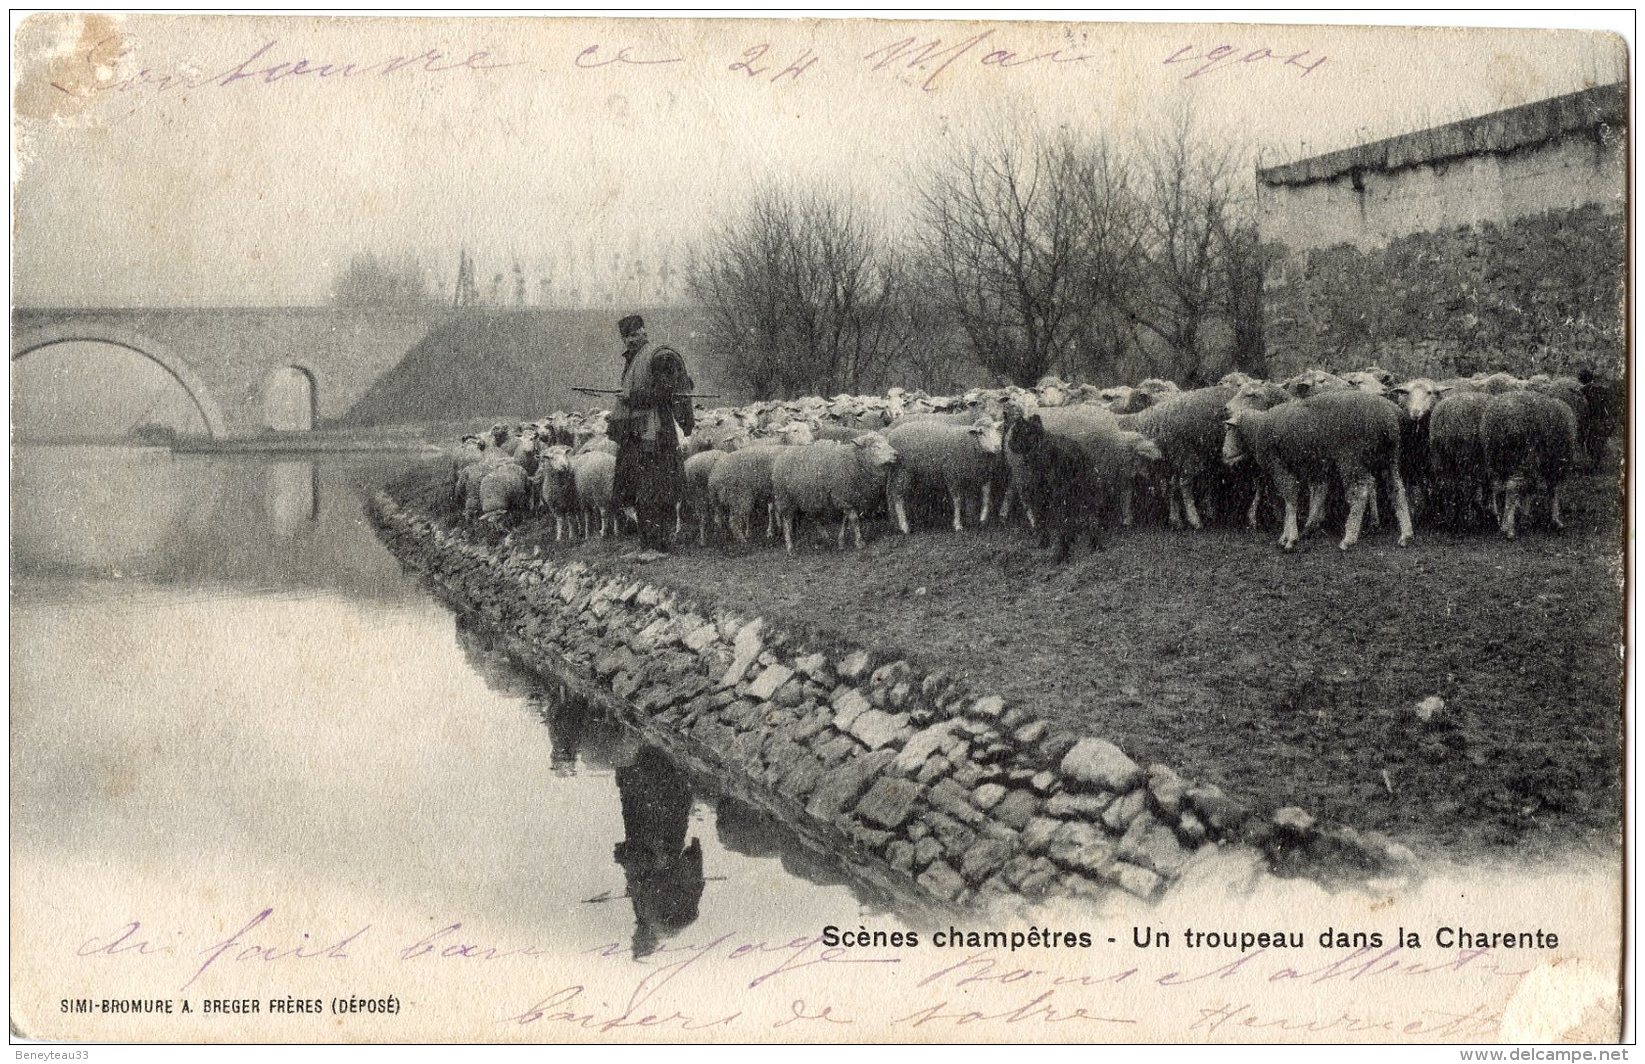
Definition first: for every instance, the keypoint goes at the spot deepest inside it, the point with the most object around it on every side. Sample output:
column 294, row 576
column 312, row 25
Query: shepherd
column 647, row 421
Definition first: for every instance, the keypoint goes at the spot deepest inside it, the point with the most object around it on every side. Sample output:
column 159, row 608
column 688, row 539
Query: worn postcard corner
column 816, row 530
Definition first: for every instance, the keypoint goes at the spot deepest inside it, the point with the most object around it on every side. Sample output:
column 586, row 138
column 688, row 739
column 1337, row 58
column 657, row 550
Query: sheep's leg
column 954, row 497
column 1510, row 504
column 1402, row 506
column 1185, row 486
column 987, row 500
column 1376, row 509
column 845, row 522
column 679, row 509
column 1006, row 498
column 902, row 513
column 1317, row 493
column 1127, row 503
column 1553, row 507
column 1359, row 489
column 788, row 530
column 856, row 526
column 1254, row 511
column 1174, row 517
column 1289, row 490
column 770, row 519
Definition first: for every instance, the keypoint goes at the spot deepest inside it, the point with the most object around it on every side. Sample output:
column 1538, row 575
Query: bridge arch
column 291, row 398
column 33, row 340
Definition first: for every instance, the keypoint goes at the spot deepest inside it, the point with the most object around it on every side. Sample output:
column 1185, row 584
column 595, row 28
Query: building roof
column 1497, row 132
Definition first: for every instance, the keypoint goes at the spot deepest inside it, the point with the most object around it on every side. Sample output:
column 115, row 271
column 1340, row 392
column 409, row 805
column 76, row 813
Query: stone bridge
column 248, row 370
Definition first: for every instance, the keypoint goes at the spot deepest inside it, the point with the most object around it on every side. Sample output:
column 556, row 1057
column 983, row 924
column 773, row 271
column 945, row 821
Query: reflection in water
column 146, row 737
column 492, row 664
column 200, row 519
column 292, row 492
column 567, row 719
column 745, row 830
column 664, row 872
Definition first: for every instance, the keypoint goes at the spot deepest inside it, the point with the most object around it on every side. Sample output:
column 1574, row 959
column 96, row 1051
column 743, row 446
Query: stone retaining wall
column 941, row 797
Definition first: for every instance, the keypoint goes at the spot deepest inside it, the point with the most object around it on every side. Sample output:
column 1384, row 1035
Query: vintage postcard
column 816, row 530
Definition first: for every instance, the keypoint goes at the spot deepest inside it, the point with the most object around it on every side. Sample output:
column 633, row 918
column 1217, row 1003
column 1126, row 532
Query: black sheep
column 1061, row 486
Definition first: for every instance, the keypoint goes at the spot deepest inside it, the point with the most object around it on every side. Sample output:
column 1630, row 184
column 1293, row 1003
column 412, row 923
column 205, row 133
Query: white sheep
column 594, row 473
column 1340, row 432
column 471, row 450
column 557, row 488
column 504, row 488
column 1187, row 428
column 960, row 459
column 698, row 497
column 740, row 483
column 828, row 477
column 1529, row 440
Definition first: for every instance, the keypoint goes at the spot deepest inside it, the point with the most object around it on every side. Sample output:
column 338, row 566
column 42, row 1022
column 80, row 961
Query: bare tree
column 1195, row 229
column 1004, row 236
column 803, row 295
column 1111, row 227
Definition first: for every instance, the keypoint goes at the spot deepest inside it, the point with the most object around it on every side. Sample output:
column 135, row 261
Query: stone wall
column 941, row 797
column 1498, row 242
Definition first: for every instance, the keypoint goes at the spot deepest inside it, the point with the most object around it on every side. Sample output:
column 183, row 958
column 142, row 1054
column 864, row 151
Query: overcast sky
column 195, row 160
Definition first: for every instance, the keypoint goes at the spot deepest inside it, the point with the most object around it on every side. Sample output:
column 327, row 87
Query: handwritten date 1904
column 1224, row 56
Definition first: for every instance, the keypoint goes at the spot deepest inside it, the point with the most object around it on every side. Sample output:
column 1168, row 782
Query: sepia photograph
column 818, row 530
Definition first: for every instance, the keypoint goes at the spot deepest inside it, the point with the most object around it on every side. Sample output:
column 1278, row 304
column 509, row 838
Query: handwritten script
column 108, row 69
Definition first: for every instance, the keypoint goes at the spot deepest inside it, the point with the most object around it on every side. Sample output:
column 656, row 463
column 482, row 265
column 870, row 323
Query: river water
column 227, row 697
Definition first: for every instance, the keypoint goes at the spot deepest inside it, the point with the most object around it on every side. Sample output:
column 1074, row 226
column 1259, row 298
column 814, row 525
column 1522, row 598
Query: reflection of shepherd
column 650, row 475
column 567, row 720
column 664, row 872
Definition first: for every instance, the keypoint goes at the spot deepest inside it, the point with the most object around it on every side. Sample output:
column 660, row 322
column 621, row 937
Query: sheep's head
column 1312, row 382
column 1233, row 440
column 1120, row 398
column 875, row 449
column 1418, row 397
column 1257, row 395
column 1052, row 392
column 557, row 458
column 796, row 432
column 987, row 434
column 1236, row 379
column 499, row 433
column 1365, row 382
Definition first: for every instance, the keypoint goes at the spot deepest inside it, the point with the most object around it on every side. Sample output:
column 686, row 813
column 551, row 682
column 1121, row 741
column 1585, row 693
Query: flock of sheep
column 1076, row 458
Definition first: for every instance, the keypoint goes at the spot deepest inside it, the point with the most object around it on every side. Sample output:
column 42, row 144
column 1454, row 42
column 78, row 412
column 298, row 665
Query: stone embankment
column 939, row 797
